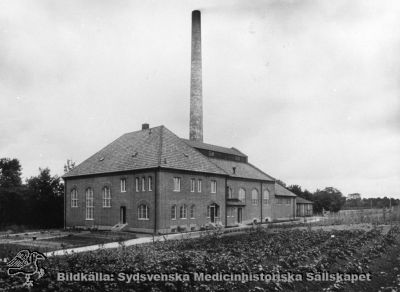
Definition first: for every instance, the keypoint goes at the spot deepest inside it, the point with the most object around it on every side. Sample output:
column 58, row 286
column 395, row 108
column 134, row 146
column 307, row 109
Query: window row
column 283, row 201
column 183, row 212
column 254, row 196
column 143, row 209
column 177, row 185
column 106, row 197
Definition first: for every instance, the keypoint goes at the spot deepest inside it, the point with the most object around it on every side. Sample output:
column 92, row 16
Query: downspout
column 155, row 201
column 226, row 203
column 261, row 200
column 65, row 204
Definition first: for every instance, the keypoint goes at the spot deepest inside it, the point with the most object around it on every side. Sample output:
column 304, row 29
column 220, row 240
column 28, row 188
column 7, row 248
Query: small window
column 192, row 185
column 199, row 182
column 230, row 195
column 123, row 185
column 137, row 184
column 150, row 182
column 183, row 212
column 254, row 197
column 89, row 204
column 74, row 198
column 106, row 197
column 177, row 184
column 213, row 186
column 143, row 212
column 211, row 153
column 266, row 197
column 242, row 195
column 192, row 211
column 143, row 184
column 173, row 212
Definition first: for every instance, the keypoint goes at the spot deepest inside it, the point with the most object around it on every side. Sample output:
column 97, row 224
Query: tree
column 329, row 199
column 10, row 173
column 69, row 165
column 278, row 181
column 46, row 199
column 295, row 189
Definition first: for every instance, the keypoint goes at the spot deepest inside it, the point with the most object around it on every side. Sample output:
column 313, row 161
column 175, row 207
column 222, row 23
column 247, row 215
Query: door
column 239, row 215
column 122, row 218
column 212, row 213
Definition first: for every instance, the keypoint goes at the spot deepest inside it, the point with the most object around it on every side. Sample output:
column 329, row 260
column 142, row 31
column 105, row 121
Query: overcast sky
column 309, row 90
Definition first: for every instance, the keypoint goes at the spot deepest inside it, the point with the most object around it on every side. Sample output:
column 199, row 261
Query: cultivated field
column 373, row 250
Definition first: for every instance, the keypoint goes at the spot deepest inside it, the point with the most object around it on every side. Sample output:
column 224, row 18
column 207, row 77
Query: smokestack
column 196, row 92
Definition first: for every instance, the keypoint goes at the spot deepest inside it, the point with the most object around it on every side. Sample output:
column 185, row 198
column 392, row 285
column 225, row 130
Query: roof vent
column 145, row 126
column 134, row 154
column 185, row 154
column 101, row 158
column 234, row 170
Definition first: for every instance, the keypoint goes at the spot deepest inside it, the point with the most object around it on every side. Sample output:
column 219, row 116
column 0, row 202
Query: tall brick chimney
column 196, row 92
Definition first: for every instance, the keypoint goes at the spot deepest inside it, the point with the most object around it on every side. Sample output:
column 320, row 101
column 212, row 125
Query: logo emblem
column 26, row 263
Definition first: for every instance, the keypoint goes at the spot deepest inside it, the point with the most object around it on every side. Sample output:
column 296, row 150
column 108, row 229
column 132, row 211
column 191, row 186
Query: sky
column 309, row 90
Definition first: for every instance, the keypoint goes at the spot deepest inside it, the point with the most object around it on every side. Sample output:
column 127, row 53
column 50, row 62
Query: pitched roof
column 300, row 200
column 281, row 191
column 215, row 148
column 155, row 147
column 242, row 169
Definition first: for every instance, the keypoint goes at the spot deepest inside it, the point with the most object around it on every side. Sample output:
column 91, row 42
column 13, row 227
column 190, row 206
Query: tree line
column 36, row 203
column 331, row 199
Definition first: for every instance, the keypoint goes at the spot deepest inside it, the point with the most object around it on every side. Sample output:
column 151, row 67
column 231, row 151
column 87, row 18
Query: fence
column 372, row 216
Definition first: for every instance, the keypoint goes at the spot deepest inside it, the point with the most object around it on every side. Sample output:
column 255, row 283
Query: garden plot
column 257, row 251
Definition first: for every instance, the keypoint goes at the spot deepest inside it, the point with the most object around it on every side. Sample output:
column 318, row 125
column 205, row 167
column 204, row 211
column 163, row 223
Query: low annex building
column 304, row 207
column 153, row 181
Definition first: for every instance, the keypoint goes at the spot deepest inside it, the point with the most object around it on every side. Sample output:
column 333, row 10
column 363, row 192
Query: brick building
column 153, row 181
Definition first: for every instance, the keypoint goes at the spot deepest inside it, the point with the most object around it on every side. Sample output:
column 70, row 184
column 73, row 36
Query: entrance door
column 122, row 216
column 212, row 213
column 239, row 215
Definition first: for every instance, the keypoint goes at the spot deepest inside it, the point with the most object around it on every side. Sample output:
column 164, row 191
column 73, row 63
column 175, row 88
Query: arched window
column 242, row 195
column 150, row 183
column 192, row 211
column 230, row 195
column 266, row 197
column 173, row 212
column 143, row 212
column 106, row 197
column 183, row 212
column 254, row 197
column 74, row 198
column 89, row 204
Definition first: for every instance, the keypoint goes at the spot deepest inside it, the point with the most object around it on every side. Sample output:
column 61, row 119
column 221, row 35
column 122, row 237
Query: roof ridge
column 184, row 140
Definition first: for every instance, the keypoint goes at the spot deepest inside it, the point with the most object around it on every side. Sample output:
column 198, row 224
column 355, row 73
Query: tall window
column 123, row 185
column 242, row 195
column 143, row 212
column 173, row 212
column 213, row 186
column 143, row 184
column 199, row 182
column 106, row 197
column 230, row 195
column 137, row 184
column 192, row 184
column 192, row 211
column 150, row 182
column 266, row 197
column 89, row 204
column 74, row 198
column 183, row 212
column 254, row 197
column 177, row 184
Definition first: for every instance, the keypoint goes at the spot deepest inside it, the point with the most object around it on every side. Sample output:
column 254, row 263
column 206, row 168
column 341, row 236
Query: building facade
column 155, row 182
